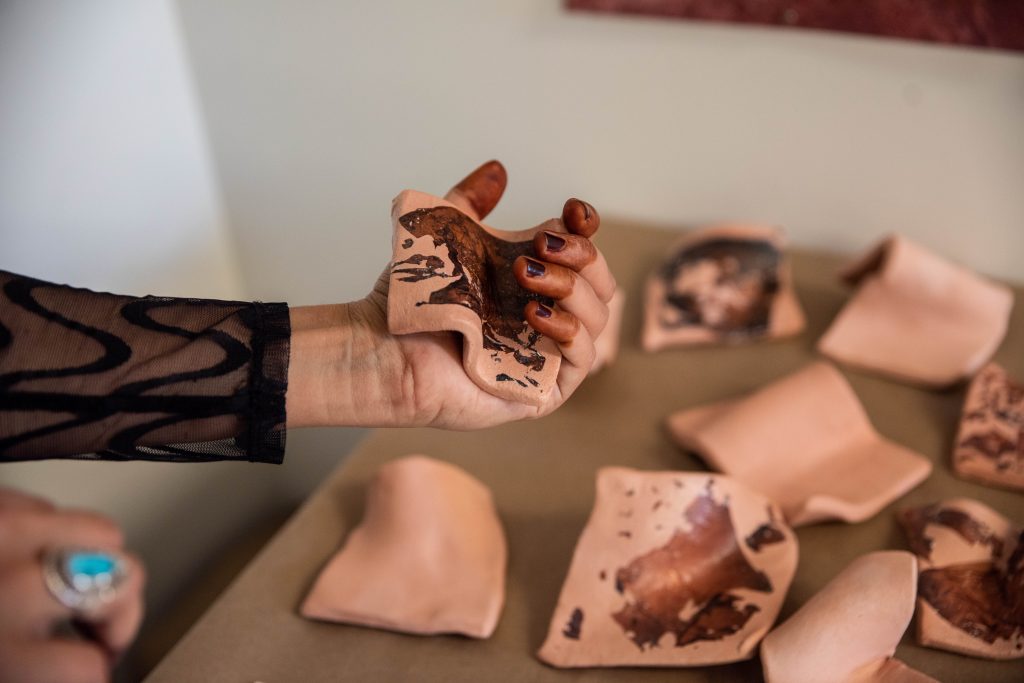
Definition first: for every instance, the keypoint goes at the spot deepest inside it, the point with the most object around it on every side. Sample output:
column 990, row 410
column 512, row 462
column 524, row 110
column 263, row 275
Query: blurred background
column 250, row 148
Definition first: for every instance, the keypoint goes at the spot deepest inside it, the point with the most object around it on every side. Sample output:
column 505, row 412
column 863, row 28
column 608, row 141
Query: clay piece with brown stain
column 971, row 585
column 428, row 557
column 917, row 317
column 806, row 442
column 450, row 272
column 672, row 569
column 606, row 345
column 848, row 631
column 724, row 284
column 990, row 445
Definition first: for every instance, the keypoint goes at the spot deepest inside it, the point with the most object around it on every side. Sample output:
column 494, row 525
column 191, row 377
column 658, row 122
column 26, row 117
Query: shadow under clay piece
column 450, row 272
column 990, row 445
column 917, row 317
column 848, row 631
column 672, row 569
column 971, row 585
column 607, row 343
column 805, row 442
column 728, row 283
column 429, row 556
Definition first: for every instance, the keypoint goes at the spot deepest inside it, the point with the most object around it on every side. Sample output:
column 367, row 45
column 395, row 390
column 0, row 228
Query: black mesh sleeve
column 91, row 375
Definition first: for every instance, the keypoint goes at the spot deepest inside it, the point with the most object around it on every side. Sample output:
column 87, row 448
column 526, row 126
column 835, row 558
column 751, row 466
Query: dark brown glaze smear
column 1000, row 401
column 766, row 534
column 915, row 520
column 725, row 285
column 482, row 279
column 572, row 629
column 694, row 572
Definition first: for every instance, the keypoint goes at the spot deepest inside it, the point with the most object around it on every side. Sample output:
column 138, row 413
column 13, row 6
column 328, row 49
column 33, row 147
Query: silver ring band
column 83, row 579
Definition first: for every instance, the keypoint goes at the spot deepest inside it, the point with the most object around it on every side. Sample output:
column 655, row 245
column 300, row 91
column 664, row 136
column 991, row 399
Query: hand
column 30, row 650
column 347, row 369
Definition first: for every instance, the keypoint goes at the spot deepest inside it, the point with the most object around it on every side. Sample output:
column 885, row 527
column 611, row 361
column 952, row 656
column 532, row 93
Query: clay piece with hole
column 990, row 445
column 728, row 283
column 970, row 591
column 607, row 343
column 450, row 272
column 428, row 557
column 805, row 442
column 848, row 631
column 917, row 317
column 672, row 569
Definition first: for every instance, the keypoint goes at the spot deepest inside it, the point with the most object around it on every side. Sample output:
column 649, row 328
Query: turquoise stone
column 91, row 564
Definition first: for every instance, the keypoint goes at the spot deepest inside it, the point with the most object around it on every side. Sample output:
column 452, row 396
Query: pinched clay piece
column 990, row 446
column 849, row 630
column 672, row 569
column 428, row 557
column 805, row 442
column 728, row 283
column 971, row 585
column 607, row 343
column 917, row 317
column 451, row 272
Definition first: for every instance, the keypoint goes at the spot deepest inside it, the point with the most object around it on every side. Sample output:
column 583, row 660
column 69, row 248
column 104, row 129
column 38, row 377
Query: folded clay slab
column 990, row 445
column 805, row 442
column 607, row 343
column 451, row 272
column 428, row 557
column 849, row 630
column 971, row 585
column 672, row 569
column 728, row 283
column 917, row 317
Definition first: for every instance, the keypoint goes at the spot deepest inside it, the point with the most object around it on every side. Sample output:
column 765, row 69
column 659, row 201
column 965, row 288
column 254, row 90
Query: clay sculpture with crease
column 727, row 283
column 805, row 442
column 672, row 569
column 848, row 631
column 917, row 317
column 971, row 585
column 990, row 445
column 450, row 272
column 429, row 556
column 607, row 343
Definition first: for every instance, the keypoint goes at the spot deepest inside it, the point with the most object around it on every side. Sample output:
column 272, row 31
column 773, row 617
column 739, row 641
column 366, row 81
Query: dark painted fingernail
column 586, row 209
column 553, row 242
column 534, row 268
column 543, row 311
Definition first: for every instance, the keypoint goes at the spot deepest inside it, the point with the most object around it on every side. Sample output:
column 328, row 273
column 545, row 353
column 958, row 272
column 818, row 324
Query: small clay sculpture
column 990, row 445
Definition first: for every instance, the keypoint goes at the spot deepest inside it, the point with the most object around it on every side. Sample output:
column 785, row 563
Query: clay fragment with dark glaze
column 664, row 574
column 971, row 583
column 727, row 283
column 990, row 445
column 450, row 272
column 917, row 317
column 428, row 557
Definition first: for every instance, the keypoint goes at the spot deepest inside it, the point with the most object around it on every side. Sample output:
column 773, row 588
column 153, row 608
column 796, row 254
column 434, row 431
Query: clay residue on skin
column 683, row 587
column 482, row 279
column 916, row 520
column 766, row 534
column 725, row 285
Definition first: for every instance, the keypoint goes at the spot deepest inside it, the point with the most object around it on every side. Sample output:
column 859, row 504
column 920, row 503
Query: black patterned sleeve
column 91, row 375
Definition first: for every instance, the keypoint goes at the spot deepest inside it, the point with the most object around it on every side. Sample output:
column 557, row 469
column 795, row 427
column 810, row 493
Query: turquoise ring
column 83, row 579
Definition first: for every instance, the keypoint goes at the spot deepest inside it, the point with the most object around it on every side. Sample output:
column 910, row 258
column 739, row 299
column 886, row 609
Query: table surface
column 542, row 476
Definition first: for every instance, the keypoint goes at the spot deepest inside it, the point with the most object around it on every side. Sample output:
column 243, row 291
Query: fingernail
column 553, row 242
column 534, row 268
column 586, row 209
column 543, row 311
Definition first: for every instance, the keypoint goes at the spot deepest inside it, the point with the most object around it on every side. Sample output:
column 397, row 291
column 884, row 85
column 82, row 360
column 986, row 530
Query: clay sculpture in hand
column 607, row 343
column 971, row 585
column 848, row 631
column 451, row 272
column 429, row 556
column 990, row 445
column 917, row 317
column 672, row 569
column 805, row 442
column 728, row 283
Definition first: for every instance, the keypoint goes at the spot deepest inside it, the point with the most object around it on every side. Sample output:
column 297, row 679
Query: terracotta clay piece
column 451, row 272
column 805, row 442
column 728, row 283
column 672, row 569
column 428, row 557
column 849, row 630
column 917, row 317
column 990, row 445
column 607, row 343
column 971, row 585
